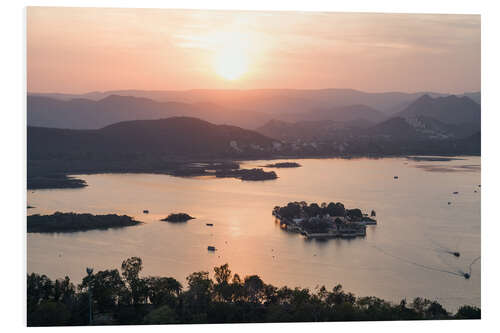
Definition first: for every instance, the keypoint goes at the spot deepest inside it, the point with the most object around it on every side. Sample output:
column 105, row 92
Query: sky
column 78, row 50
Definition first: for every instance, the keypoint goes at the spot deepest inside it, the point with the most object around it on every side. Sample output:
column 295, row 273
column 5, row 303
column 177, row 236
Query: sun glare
column 231, row 59
column 231, row 64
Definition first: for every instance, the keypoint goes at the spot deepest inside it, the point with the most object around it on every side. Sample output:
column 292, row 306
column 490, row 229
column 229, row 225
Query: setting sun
column 231, row 63
column 231, row 58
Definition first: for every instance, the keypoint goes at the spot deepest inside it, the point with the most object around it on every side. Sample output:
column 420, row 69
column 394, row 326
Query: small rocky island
column 72, row 222
column 178, row 217
column 283, row 165
column 247, row 174
column 326, row 221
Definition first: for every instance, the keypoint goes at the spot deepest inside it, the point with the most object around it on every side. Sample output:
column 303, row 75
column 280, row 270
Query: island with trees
column 72, row 222
column 326, row 221
column 54, row 181
column 283, row 165
column 178, row 217
column 247, row 174
column 124, row 297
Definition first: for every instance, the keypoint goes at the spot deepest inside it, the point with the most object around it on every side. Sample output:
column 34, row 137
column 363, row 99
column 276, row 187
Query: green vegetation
column 129, row 299
column 178, row 217
column 72, row 222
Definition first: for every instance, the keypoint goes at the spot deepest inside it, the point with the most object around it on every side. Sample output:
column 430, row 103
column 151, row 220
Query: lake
column 404, row 256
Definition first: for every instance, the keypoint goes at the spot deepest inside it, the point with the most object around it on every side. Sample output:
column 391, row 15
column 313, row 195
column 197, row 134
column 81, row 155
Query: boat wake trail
column 444, row 249
column 416, row 263
column 472, row 263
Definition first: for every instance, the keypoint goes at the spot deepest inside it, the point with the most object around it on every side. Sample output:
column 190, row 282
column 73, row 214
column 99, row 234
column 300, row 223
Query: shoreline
column 69, row 180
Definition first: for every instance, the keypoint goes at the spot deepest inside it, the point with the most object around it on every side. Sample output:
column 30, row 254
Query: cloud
column 95, row 48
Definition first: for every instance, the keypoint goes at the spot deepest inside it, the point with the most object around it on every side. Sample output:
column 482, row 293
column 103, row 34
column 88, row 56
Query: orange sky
column 77, row 50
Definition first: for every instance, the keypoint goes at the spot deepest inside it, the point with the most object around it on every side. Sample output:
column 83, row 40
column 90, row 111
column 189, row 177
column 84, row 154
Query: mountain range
column 245, row 108
column 83, row 113
column 425, row 118
column 278, row 100
column 132, row 124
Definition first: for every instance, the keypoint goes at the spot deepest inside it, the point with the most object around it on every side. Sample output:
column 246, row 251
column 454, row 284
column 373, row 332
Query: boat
column 145, row 211
column 396, row 177
column 210, row 224
column 455, row 192
column 211, row 248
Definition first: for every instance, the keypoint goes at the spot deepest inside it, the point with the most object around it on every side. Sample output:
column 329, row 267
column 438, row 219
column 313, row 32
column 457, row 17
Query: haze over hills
column 450, row 109
column 273, row 101
column 347, row 113
column 426, row 118
column 357, row 125
column 311, row 131
column 245, row 108
column 82, row 113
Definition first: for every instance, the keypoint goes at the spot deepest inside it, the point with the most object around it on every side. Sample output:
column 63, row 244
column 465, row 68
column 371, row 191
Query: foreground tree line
column 127, row 298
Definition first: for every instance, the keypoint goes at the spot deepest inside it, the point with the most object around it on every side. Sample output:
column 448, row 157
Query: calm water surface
column 415, row 225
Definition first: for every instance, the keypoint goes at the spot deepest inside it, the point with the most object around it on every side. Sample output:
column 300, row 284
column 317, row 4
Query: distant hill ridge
column 450, row 117
column 82, row 113
column 450, row 109
column 263, row 104
column 179, row 136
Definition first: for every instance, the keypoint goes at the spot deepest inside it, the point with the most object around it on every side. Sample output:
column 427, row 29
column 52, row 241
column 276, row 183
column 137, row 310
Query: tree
column 468, row 312
column 222, row 288
column 64, row 290
column 335, row 209
column 313, row 210
column 338, row 296
column 222, row 274
column 355, row 213
column 107, row 288
column 49, row 313
column 291, row 210
column 237, row 290
column 199, row 293
column 436, row 311
column 130, row 270
column 39, row 288
column 162, row 315
column 254, row 288
column 163, row 290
